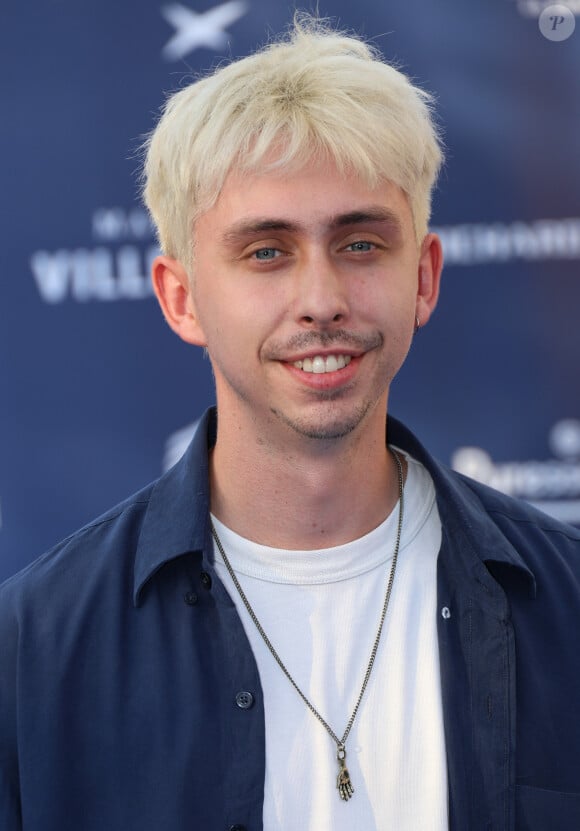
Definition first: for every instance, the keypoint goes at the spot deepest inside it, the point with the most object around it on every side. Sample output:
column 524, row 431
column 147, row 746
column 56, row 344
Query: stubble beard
column 331, row 429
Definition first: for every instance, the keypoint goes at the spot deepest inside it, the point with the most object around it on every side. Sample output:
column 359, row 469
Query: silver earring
column 417, row 323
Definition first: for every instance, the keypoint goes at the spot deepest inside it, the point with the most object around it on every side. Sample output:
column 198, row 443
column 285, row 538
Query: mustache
column 339, row 337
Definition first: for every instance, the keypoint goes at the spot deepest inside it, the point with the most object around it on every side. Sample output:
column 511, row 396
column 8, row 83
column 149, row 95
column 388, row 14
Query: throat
column 295, row 504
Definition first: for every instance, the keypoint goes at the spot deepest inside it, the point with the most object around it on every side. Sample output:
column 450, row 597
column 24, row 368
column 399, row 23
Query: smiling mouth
column 321, row 364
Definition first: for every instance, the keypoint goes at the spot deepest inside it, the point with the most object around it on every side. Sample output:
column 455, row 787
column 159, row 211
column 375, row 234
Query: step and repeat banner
column 98, row 397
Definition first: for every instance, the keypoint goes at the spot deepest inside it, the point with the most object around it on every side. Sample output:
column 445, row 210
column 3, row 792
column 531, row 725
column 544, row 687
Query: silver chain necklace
column 343, row 781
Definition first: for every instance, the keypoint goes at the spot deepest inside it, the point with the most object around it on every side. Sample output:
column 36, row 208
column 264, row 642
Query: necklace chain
column 343, row 781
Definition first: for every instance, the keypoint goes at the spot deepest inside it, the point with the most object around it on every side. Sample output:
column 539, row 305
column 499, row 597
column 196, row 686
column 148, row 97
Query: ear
column 429, row 277
column 172, row 288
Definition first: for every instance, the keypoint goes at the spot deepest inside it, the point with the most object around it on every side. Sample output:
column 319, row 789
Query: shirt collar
column 177, row 517
column 465, row 515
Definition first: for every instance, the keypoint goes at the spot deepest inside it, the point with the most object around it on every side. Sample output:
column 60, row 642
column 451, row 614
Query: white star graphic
column 193, row 29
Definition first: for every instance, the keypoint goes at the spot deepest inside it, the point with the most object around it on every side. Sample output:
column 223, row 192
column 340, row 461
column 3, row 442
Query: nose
column 321, row 293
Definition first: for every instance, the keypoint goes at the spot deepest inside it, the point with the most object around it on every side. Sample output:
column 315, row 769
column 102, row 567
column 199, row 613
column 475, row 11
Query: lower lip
column 326, row 380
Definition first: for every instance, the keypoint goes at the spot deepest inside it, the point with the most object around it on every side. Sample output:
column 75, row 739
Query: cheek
column 390, row 286
column 231, row 333
column 381, row 304
column 247, row 317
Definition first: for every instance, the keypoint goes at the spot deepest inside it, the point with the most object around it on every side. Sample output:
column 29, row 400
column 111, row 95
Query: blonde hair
column 315, row 93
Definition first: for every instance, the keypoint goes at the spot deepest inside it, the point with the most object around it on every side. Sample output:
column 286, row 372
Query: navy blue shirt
column 130, row 697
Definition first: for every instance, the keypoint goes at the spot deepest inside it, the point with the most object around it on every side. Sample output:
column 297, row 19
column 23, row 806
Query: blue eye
column 361, row 246
column 266, row 253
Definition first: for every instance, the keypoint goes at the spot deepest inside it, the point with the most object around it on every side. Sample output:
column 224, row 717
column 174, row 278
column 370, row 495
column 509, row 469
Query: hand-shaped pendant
column 343, row 783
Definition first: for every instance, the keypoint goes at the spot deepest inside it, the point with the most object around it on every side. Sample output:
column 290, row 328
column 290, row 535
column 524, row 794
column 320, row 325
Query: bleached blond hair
column 315, row 93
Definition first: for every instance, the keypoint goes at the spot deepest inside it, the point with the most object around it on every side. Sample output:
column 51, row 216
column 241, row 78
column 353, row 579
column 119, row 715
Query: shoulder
column 518, row 519
column 496, row 527
column 132, row 539
column 80, row 557
column 511, row 536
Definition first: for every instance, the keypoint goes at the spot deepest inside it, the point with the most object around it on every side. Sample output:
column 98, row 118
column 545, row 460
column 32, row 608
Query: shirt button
column 237, row 828
column 190, row 598
column 445, row 613
column 205, row 580
column 244, row 700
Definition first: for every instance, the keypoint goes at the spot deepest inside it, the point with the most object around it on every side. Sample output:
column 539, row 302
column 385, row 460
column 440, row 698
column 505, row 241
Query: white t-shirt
column 321, row 611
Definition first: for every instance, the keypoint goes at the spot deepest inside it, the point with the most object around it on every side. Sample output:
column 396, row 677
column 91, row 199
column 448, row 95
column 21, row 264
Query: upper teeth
column 320, row 364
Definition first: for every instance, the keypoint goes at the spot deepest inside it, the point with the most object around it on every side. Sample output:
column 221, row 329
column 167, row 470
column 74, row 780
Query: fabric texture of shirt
column 320, row 609
column 130, row 697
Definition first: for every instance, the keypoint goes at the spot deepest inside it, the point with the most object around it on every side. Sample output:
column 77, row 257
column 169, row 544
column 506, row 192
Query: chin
column 325, row 429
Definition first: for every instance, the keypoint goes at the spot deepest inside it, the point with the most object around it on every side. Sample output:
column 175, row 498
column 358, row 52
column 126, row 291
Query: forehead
column 311, row 197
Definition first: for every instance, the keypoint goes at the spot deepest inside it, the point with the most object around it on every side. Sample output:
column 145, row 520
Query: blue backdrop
column 97, row 394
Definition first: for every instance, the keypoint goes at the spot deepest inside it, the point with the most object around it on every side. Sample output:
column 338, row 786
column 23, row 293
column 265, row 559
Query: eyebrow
column 366, row 215
column 252, row 227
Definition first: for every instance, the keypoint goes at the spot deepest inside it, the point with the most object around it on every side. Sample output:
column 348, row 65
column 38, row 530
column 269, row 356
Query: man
column 308, row 623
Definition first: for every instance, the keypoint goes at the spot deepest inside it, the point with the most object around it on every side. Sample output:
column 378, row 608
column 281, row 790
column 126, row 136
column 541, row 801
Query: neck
column 304, row 495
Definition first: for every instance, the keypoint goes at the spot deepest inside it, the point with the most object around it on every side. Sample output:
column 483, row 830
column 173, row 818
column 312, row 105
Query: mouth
column 321, row 364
